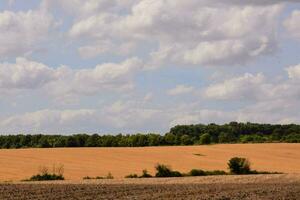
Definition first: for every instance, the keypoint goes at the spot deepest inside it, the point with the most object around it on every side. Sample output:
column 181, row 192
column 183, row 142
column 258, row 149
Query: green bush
column 145, row 174
column 46, row 177
column 165, row 171
column 132, row 176
column 238, row 165
column 200, row 172
column 197, row 172
column 216, row 172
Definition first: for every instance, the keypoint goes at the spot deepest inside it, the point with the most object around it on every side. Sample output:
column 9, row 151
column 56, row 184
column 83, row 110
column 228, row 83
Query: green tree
column 226, row 137
column 205, row 139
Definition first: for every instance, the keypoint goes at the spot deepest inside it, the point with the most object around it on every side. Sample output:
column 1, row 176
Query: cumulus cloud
column 210, row 34
column 48, row 121
column 22, row 32
column 119, row 116
column 180, row 90
column 294, row 72
column 245, row 87
column 25, row 74
column 65, row 81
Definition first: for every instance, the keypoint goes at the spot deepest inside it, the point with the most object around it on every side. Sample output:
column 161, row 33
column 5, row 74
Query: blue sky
column 111, row 66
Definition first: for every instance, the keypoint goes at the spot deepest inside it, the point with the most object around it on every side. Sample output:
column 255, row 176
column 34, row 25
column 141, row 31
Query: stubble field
column 283, row 186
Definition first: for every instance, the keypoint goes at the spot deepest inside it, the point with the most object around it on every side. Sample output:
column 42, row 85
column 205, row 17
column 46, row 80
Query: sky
column 129, row 66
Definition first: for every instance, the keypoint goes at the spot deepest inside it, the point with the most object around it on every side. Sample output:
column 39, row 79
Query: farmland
column 283, row 186
column 18, row 164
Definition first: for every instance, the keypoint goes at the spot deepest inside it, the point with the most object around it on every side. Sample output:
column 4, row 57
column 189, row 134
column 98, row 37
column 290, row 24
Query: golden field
column 18, row 164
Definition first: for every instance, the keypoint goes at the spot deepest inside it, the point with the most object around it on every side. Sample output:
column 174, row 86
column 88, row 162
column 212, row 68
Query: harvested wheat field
column 18, row 164
column 282, row 186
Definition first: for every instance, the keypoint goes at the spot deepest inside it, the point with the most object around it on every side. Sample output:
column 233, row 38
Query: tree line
column 232, row 132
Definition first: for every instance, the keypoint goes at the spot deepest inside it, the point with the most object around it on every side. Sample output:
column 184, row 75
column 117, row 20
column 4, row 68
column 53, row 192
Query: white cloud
column 245, row 87
column 180, row 90
column 23, row 32
column 202, row 116
column 210, row 34
column 292, row 24
column 25, row 74
column 50, row 121
column 294, row 72
column 64, row 81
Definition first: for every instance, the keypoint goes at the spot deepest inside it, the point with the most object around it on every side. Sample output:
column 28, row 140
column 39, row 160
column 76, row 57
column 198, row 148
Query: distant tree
column 186, row 140
column 44, row 143
column 93, row 141
column 72, row 141
column 226, row 137
column 169, row 139
column 205, row 139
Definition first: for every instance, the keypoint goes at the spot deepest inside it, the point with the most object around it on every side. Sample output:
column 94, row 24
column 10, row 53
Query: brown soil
column 215, row 187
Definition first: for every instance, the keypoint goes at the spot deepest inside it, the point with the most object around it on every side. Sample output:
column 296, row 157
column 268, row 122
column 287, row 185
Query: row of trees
column 179, row 135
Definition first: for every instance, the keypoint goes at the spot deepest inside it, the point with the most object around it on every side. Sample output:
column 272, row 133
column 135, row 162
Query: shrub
column 197, row 172
column 145, row 174
column 165, row 171
column 238, row 165
column 132, row 176
column 109, row 176
column 216, row 172
column 176, row 174
column 46, row 177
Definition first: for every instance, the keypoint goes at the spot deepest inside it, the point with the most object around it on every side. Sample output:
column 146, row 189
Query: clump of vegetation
column 45, row 175
column 200, row 172
column 132, row 176
column 166, row 171
column 108, row 176
column 145, row 174
column 238, row 165
column 197, row 172
column 89, row 177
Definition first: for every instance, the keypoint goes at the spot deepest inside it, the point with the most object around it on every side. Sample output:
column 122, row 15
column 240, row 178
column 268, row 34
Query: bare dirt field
column 18, row 164
column 283, row 186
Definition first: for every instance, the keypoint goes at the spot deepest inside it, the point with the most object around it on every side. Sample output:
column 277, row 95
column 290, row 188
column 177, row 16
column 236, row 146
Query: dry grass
column 79, row 162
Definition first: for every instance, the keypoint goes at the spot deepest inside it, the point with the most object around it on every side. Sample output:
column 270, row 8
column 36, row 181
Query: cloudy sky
column 110, row 66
